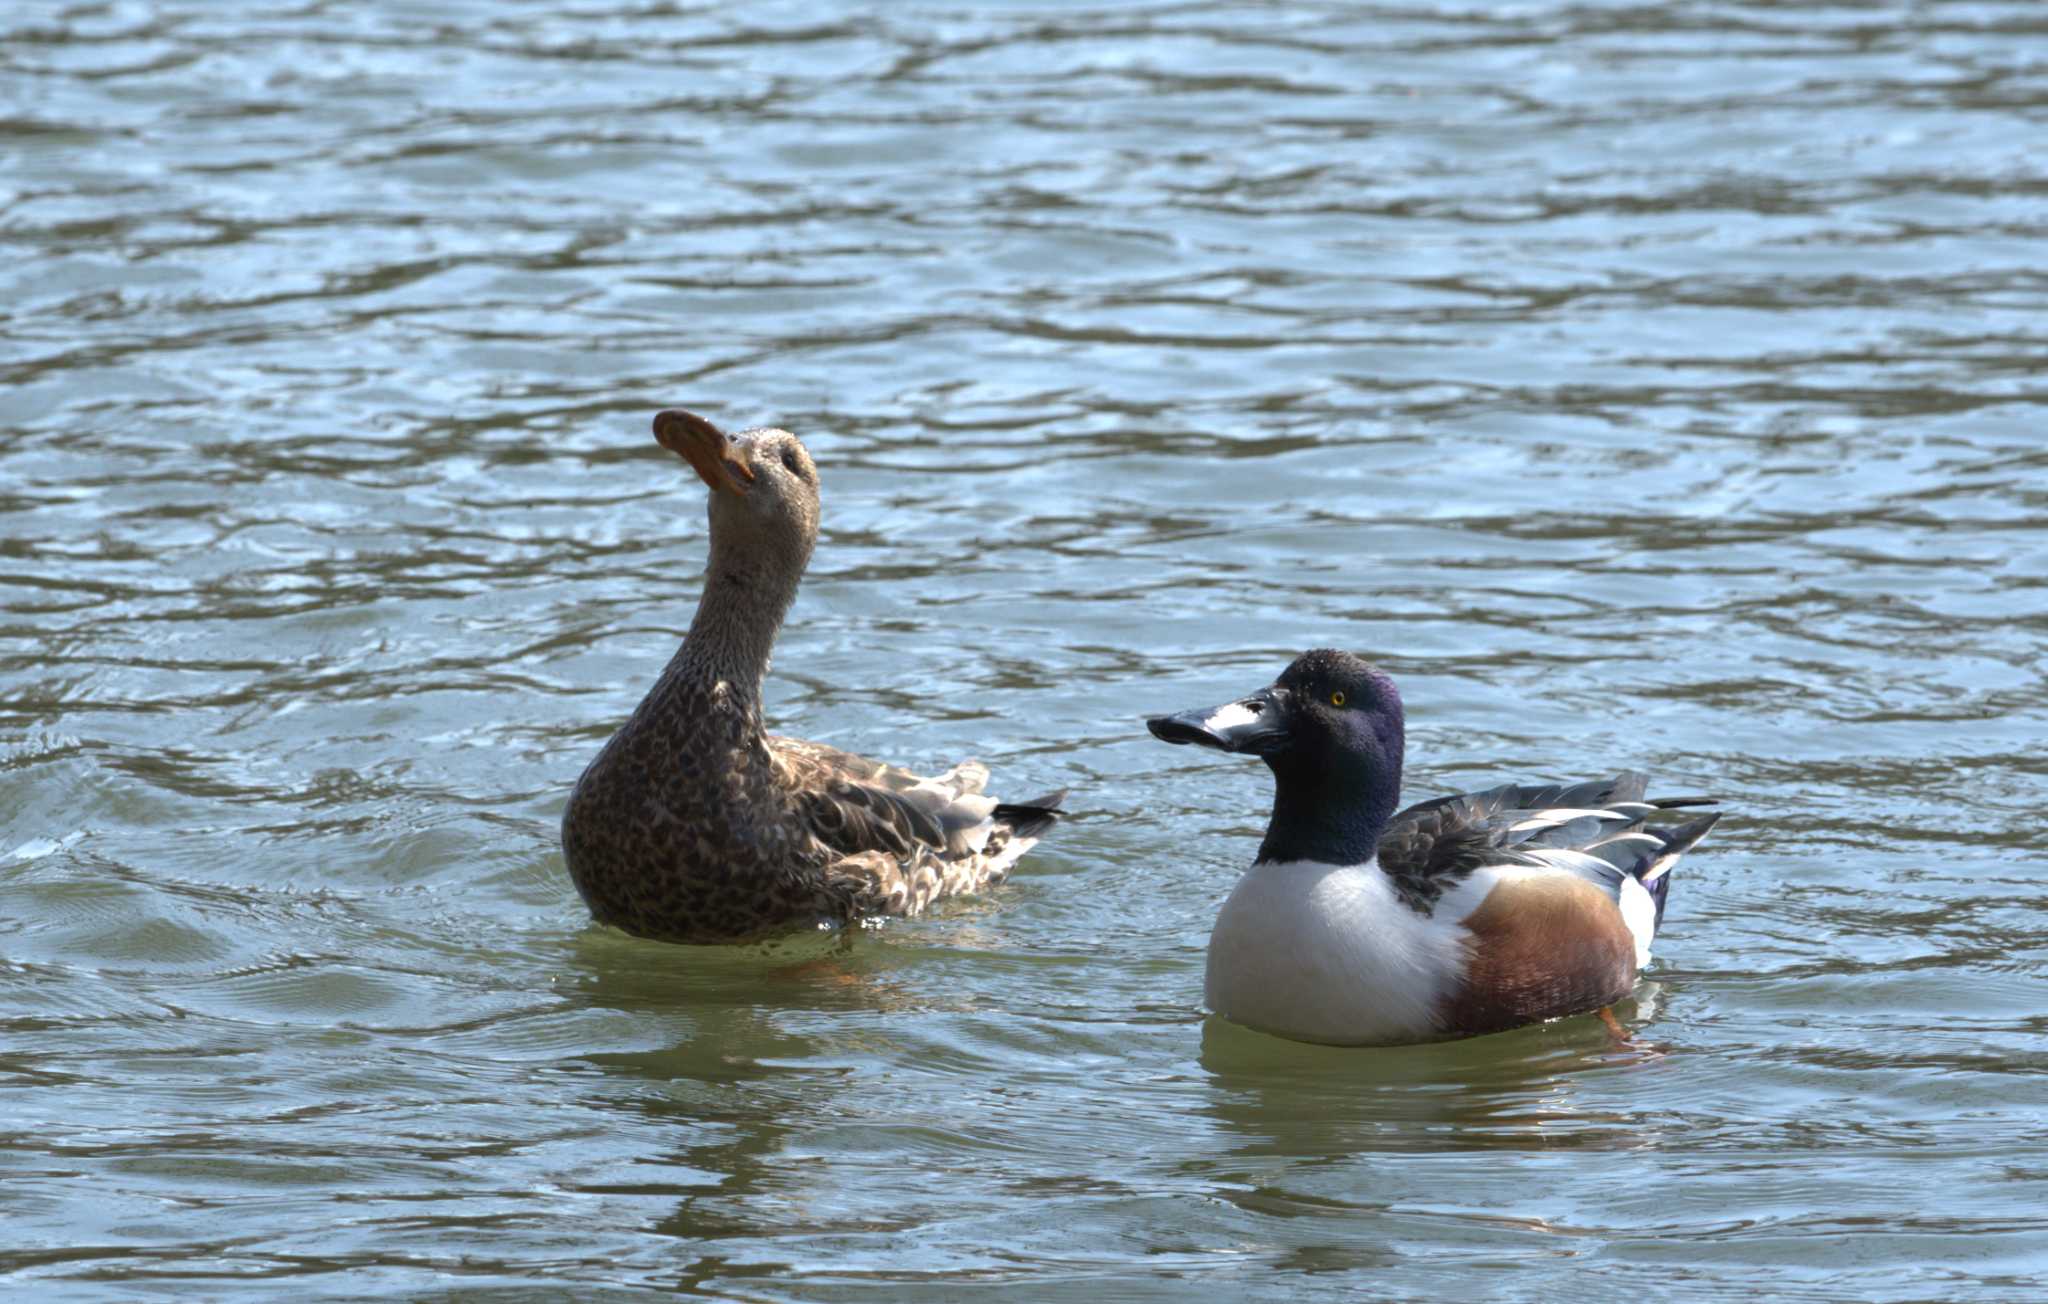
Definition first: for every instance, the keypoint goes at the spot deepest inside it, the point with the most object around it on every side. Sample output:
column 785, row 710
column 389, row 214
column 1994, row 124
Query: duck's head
column 764, row 490
column 1332, row 730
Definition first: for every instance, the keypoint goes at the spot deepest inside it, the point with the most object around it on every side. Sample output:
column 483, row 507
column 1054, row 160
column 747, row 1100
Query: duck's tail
column 1017, row 827
column 1030, row 819
column 1654, row 870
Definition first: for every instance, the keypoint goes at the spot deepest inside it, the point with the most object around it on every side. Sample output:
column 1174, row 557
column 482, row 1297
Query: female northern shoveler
column 1357, row 926
column 695, row 825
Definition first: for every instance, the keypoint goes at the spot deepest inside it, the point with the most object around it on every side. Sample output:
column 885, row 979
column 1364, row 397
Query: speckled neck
column 745, row 598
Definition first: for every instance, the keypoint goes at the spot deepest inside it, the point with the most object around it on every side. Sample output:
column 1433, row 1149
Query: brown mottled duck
column 695, row 824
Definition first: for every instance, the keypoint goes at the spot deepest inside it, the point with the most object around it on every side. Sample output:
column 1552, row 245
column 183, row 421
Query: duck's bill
column 705, row 447
column 1255, row 724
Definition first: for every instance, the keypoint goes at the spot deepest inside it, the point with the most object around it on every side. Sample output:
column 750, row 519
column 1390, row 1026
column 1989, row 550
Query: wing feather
column 907, row 837
column 1597, row 830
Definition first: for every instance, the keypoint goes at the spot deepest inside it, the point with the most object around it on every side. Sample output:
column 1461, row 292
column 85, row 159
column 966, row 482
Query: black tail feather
column 1028, row 819
column 1677, row 841
column 1682, row 839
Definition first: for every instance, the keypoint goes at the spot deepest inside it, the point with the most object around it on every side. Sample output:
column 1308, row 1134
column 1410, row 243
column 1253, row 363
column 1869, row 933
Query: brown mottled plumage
column 695, row 825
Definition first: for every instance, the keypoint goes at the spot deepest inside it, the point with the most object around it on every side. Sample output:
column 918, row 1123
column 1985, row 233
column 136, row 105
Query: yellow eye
column 1337, row 698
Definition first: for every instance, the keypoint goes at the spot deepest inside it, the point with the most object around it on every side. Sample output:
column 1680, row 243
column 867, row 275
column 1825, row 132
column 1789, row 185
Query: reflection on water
column 1645, row 386
column 1512, row 1091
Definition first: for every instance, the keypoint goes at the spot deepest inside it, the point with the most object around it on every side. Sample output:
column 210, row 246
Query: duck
column 694, row 824
column 1361, row 925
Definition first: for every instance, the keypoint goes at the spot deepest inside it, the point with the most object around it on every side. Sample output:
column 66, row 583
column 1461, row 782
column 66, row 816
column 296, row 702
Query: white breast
column 1328, row 953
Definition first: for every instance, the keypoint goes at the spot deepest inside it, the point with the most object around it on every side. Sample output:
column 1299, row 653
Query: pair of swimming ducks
column 1357, row 924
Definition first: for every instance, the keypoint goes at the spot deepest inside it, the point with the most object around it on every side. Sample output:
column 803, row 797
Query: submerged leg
column 1614, row 1028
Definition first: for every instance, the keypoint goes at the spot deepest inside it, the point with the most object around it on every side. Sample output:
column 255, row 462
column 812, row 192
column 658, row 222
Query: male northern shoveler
column 1469, row 914
column 696, row 825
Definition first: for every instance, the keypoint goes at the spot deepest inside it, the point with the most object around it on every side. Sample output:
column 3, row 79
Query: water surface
column 1646, row 386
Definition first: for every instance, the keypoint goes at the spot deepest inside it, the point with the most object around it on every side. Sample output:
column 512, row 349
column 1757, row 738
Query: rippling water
column 1649, row 386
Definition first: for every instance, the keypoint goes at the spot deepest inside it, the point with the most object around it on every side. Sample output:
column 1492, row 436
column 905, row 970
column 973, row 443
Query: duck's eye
column 1337, row 697
column 792, row 462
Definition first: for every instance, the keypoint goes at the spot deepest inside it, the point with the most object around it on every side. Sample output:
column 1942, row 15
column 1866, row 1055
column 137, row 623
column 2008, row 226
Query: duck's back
column 897, row 841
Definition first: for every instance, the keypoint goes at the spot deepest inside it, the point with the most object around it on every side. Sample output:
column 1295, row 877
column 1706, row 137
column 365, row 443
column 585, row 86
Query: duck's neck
column 737, row 619
column 1332, row 815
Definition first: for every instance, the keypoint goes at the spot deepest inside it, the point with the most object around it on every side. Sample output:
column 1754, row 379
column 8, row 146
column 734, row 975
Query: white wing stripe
column 1548, row 819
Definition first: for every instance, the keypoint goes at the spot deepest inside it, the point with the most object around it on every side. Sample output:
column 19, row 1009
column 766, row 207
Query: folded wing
column 1600, row 831
column 904, row 839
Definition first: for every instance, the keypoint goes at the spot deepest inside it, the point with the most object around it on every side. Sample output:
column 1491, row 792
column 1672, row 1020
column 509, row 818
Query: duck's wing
column 906, row 839
column 1598, row 831
column 853, row 804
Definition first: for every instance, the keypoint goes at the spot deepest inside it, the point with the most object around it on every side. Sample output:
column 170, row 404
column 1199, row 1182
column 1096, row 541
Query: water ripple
column 1645, row 386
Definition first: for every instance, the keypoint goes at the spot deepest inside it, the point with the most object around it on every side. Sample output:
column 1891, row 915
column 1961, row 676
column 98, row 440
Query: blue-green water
column 1646, row 385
